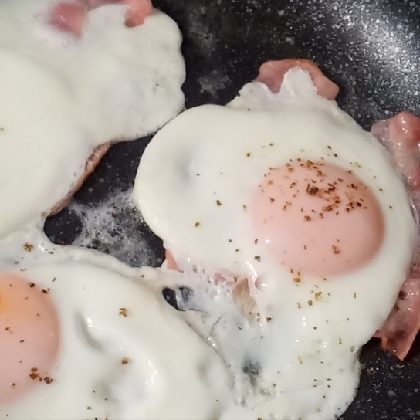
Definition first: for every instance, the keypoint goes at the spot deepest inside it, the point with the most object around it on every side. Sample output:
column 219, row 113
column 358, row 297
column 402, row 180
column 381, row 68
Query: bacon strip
column 401, row 136
column 71, row 16
column 272, row 74
column 138, row 12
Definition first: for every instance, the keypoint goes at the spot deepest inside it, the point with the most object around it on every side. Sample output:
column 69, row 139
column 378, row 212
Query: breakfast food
column 401, row 135
column 78, row 341
column 71, row 16
column 280, row 213
column 272, row 75
column 70, row 94
column 287, row 313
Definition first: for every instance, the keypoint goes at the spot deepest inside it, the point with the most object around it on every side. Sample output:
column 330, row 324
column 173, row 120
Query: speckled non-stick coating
column 371, row 49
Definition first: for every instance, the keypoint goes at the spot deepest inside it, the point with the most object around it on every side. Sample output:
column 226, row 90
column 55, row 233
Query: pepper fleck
column 28, row 247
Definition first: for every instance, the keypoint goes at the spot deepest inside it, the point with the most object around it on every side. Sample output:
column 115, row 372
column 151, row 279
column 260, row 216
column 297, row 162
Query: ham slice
column 71, row 16
column 241, row 294
column 272, row 73
column 401, row 136
column 403, row 323
column 169, row 261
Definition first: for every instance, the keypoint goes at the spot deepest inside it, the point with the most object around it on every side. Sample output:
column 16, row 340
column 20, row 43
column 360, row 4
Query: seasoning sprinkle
column 335, row 249
column 28, row 247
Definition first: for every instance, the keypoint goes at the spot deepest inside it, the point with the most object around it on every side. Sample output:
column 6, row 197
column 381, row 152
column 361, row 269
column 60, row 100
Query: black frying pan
column 371, row 49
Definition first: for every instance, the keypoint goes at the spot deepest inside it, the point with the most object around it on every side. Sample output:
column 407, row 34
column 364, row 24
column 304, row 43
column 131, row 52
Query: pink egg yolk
column 29, row 337
column 317, row 218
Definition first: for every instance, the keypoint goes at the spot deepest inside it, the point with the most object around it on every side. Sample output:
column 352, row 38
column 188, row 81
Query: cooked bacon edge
column 401, row 136
column 272, row 74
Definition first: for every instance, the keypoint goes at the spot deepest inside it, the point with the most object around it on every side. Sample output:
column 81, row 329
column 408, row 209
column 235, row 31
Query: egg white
column 170, row 373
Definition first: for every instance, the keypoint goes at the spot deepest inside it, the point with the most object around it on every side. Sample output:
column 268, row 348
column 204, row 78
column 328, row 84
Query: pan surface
column 371, row 49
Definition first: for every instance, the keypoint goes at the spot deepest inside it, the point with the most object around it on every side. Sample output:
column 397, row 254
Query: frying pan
column 371, row 49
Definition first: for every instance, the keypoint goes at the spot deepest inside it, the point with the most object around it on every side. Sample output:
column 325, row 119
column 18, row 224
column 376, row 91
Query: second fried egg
column 284, row 193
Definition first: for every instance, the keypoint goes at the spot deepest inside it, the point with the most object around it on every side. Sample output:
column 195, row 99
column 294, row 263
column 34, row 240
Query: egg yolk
column 29, row 337
column 317, row 218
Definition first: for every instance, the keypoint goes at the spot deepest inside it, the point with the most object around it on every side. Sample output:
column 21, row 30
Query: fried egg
column 63, row 96
column 84, row 337
column 295, row 233
column 125, row 82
